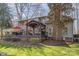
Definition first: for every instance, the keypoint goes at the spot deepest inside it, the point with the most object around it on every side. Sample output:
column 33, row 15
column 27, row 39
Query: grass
column 73, row 50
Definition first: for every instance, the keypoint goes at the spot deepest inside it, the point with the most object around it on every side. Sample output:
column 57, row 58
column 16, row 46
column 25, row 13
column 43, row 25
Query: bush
column 35, row 40
column 11, row 38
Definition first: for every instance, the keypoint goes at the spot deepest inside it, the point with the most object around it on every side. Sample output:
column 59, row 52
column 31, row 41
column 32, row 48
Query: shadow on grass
column 55, row 43
column 36, row 50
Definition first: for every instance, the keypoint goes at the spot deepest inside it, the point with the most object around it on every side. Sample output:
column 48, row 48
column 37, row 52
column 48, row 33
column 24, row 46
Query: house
column 6, row 31
column 61, row 22
column 10, row 31
column 72, row 25
column 36, row 27
column 67, row 32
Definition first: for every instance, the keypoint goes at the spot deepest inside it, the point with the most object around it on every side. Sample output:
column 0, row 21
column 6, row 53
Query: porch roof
column 35, row 24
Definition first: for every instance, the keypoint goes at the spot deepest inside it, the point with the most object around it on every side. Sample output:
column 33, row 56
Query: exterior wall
column 69, row 30
column 75, row 29
column 78, row 26
column 49, row 30
column 25, row 30
column 6, row 32
column 76, row 17
column 37, row 30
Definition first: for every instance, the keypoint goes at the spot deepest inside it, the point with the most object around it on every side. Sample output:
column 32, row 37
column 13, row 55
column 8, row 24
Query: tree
column 28, row 11
column 56, row 13
column 5, row 17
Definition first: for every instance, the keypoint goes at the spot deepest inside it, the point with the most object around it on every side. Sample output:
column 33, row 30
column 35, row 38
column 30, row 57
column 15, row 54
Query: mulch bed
column 56, row 42
column 31, row 44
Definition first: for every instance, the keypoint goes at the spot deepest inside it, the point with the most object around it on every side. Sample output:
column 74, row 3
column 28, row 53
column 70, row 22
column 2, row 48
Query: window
column 66, row 31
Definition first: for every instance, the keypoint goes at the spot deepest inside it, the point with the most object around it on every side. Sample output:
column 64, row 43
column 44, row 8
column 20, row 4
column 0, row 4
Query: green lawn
column 73, row 50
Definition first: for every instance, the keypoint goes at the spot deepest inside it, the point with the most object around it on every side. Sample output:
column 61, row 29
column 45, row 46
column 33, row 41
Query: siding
column 69, row 30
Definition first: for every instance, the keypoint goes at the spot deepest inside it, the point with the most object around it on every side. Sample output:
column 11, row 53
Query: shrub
column 35, row 40
column 11, row 38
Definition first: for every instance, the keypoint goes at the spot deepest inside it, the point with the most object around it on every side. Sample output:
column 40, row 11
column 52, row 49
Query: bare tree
column 28, row 11
column 5, row 17
column 56, row 19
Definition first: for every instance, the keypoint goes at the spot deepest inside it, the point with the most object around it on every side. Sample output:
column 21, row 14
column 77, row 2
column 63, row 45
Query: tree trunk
column 57, row 25
column 1, row 32
column 57, row 30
